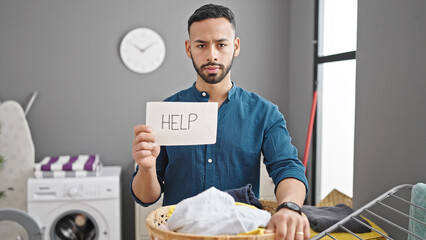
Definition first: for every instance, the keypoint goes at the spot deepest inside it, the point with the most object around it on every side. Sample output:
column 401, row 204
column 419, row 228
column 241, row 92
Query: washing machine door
column 17, row 224
column 74, row 225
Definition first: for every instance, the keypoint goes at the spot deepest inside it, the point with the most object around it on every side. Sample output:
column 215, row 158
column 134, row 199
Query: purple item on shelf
column 89, row 164
column 46, row 167
column 68, row 165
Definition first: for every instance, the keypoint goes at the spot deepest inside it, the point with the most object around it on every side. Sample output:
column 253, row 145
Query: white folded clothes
column 214, row 212
column 68, row 163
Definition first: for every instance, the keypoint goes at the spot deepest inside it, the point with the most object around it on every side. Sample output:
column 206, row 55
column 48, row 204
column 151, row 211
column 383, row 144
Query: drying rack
column 390, row 211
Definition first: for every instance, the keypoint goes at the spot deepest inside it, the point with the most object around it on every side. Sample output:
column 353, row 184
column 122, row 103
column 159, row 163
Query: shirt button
column 210, row 160
column 204, row 94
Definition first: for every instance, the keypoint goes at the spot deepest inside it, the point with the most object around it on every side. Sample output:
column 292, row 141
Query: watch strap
column 290, row 205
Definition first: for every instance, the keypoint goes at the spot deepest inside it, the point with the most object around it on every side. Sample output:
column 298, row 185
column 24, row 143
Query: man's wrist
column 291, row 206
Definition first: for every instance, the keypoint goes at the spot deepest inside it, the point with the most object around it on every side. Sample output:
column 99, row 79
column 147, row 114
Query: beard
column 212, row 78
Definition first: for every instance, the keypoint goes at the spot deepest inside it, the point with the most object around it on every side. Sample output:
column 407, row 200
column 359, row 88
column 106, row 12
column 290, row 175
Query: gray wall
column 89, row 102
column 390, row 136
column 301, row 76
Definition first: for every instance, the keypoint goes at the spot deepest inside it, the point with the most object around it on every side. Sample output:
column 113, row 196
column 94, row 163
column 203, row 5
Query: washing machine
column 77, row 208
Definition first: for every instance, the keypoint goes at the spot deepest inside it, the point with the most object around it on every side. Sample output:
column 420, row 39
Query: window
column 335, row 66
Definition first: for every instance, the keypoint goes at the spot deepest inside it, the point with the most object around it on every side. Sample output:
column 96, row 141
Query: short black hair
column 212, row 11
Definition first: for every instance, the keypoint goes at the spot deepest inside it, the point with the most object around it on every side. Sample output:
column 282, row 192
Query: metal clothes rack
column 390, row 211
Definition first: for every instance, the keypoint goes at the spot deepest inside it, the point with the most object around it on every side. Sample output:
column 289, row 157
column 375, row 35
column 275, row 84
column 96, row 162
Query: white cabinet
column 141, row 213
column 267, row 186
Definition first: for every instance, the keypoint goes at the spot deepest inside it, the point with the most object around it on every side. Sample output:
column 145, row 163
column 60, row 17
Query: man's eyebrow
column 219, row 40
column 222, row 40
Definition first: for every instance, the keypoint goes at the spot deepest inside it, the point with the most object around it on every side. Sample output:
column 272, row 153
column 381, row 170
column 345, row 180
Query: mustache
column 212, row 64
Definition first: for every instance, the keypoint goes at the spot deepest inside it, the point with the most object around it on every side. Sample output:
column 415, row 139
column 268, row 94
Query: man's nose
column 212, row 54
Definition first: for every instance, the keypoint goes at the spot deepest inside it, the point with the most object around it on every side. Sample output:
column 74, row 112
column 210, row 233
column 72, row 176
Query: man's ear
column 236, row 46
column 188, row 48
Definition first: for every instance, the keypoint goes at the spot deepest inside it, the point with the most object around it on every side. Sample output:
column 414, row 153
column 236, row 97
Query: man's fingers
column 280, row 226
column 144, row 149
column 144, row 137
column 141, row 128
column 143, row 153
column 299, row 235
column 307, row 228
column 143, row 146
column 291, row 232
column 281, row 233
column 289, row 225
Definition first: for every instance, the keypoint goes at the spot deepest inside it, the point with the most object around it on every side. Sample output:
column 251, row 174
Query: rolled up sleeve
column 280, row 156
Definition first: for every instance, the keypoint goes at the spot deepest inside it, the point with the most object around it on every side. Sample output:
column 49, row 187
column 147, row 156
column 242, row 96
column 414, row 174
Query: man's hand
column 289, row 225
column 145, row 184
column 144, row 153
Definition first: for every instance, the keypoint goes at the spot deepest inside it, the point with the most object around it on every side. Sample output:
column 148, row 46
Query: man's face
column 212, row 47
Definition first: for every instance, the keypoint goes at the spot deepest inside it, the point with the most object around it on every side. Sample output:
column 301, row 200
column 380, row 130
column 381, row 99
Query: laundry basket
column 158, row 217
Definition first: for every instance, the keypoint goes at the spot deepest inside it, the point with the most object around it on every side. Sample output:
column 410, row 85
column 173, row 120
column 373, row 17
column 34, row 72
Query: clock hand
column 149, row 45
column 138, row 48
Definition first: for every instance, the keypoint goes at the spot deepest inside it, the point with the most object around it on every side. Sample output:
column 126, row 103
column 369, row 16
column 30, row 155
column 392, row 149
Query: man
column 248, row 125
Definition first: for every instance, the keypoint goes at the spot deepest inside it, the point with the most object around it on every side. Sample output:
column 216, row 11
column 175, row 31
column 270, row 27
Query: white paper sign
column 182, row 123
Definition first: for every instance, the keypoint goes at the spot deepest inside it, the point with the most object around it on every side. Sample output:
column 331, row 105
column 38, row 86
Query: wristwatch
column 290, row 205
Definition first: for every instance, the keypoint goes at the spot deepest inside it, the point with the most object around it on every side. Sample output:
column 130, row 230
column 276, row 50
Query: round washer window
column 74, row 226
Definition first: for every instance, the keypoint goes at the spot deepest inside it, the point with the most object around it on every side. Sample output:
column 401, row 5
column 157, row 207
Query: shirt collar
column 231, row 93
column 204, row 96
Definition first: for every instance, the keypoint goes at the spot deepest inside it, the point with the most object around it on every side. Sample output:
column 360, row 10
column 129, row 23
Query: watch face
column 142, row 50
column 293, row 206
column 290, row 205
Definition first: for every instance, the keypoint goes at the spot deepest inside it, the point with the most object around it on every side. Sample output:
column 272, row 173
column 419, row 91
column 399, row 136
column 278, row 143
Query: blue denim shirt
column 248, row 125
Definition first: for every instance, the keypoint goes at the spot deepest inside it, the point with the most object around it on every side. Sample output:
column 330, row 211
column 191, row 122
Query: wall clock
column 142, row 50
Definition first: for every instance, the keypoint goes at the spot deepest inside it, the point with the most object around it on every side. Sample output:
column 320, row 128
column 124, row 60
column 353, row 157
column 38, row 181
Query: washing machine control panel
column 72, row 190
column 91, row 191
